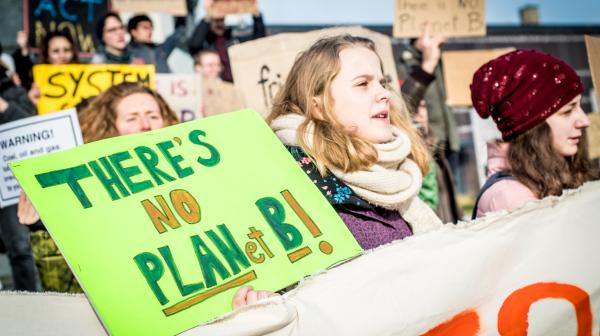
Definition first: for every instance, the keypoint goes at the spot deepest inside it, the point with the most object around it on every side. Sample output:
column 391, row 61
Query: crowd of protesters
column 337, row 116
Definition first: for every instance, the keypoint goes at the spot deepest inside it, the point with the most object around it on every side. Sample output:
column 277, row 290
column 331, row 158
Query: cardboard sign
column 183, row 93
column 64, row 86
column 260, row 67
column 459, row 67
column 33, row 137
column 161, row 228
column 534, row 272
column 593, row 135
column 172, row 7
column 448, row 17
column 219, row 97
column 76, row 18
column 221, row 8
column 592, row 44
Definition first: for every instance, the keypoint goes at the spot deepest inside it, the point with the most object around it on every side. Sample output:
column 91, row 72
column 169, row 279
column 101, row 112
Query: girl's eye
column 568, row 112
column 361, row 84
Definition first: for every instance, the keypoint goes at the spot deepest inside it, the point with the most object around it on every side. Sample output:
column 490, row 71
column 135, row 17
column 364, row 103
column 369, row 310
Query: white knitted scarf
column 389, row 183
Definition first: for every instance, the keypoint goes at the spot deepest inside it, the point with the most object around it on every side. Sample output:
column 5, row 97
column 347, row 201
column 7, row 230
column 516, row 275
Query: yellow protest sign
column 64, row 86
column 448, row 17
column 161, row 228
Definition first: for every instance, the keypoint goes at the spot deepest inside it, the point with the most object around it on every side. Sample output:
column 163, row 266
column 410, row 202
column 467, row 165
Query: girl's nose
column 582, row 120
column 145, row 124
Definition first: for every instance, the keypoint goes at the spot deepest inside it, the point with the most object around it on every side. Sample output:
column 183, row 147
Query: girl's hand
column 26, row 213
column 34, row 94
column 247, row 295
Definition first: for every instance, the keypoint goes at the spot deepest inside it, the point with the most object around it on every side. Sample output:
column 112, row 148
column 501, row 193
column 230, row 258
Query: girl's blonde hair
column 98, row 119
column 332, row 145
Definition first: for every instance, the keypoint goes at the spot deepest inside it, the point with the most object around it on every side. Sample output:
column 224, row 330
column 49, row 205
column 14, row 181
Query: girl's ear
column 317, row 107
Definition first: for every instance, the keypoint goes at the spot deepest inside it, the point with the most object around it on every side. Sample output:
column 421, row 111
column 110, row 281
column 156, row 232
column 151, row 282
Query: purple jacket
column 374, row 227
column 371, row 225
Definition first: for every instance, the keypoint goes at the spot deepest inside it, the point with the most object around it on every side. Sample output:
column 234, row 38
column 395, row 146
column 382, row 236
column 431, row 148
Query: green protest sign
column 161, row 228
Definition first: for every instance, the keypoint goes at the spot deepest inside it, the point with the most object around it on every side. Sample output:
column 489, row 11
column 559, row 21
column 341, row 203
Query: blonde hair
column 97, row 120
column 332, row 145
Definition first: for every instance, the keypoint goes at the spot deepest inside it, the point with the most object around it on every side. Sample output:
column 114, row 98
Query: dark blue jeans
column 18, row 249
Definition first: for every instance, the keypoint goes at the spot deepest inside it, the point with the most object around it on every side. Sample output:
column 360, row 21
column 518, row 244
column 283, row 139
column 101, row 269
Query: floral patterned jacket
column 371, row 225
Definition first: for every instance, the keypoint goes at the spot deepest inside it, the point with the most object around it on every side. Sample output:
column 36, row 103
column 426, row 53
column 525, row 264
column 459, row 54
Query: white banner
column 32, row 137
column 531, row 272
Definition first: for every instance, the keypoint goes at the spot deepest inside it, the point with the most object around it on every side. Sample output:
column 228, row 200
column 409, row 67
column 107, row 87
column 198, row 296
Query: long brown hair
column 534, row 162
column 98, row 119
column 333, row 146
column 44, row 48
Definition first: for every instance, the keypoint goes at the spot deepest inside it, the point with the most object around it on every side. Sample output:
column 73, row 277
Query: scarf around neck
column 389, row 183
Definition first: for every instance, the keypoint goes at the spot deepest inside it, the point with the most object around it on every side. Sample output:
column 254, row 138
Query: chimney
column 530, row 15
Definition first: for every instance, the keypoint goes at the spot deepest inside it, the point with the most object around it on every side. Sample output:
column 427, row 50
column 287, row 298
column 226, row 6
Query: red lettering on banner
column 512, row 317
column 463, row 324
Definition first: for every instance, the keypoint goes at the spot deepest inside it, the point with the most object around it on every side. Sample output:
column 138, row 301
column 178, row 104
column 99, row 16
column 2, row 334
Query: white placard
column 32, row 137
column 183, row 93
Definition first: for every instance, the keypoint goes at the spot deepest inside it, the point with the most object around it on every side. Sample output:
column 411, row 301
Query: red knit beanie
column 521, row 89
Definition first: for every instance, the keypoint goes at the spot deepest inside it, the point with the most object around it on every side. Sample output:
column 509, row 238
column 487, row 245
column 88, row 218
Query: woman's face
column 113, row 34
column 136, row 113
column 567, row 127
column 361, row 102
column 60, row 51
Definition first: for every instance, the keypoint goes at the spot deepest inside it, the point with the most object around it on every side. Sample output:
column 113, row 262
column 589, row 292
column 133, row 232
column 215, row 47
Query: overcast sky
column 381, row 11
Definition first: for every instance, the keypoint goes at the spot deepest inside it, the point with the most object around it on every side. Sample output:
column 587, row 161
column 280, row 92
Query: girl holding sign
column 535, row 101
column 356, row 142
column 123, row 109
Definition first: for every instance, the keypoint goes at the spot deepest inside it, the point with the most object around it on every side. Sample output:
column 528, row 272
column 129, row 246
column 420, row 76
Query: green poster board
column 161, row 228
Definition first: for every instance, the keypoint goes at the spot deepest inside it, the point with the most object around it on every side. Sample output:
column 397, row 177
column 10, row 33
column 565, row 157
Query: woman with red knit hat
column 535, row 101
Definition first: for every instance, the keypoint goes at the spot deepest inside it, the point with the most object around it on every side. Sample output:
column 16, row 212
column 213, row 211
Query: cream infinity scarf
column 389, row 183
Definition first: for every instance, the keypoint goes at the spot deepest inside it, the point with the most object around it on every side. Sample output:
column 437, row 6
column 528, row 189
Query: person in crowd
column 211, row 33
column 23, row 60
column 208, row 64
column 14, row 105
column 337, row 118
column 110, row 31
column 535, row 101
column 140, row 29
column 420, row 62
column 123, row 109
column 7, row 62
column 429, row 192
column 218, row 96
column 57, row 48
